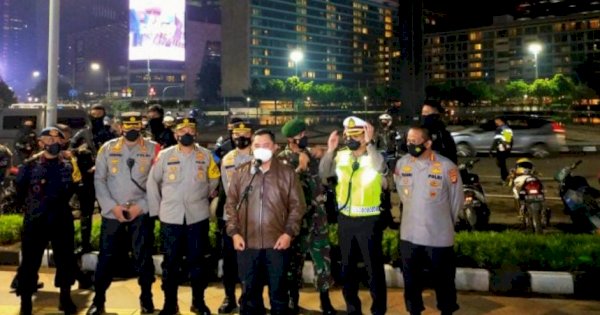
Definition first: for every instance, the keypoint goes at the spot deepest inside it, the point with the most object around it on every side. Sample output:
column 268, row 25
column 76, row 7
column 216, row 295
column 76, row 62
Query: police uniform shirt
column 232, row 160
column 112, row 178
column 432, row 194
column 179, row 185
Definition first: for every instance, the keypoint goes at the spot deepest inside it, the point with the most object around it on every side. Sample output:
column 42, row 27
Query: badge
column 432, row 194
column 407, row 169
column 114, row 170
column 200, row 174
column 434, row 183
column 199, row 156
column 453, row 173
column 172, row 177
column 436, row 171
column 406, row 191
column 114, row 161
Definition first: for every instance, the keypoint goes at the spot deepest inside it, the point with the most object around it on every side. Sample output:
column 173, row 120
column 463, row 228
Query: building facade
column 500, row 53
column 344, row 42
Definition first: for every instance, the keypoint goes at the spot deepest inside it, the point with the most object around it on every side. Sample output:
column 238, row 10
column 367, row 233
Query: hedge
column 489, row 250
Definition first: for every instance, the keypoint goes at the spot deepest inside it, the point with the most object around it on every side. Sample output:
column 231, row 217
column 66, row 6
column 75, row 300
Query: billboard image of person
column 156, row 30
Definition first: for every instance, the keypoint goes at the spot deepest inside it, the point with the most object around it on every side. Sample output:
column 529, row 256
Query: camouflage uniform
column 314, row 234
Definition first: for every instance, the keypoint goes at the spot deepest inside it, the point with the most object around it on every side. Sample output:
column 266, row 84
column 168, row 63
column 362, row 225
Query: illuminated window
column 170, row 78
column 475, row 65
column 255, row 41
column 266, row 52
column 267, row 72
column 473, row 36
column 477, row 46
column 476, row 56
column 388, row 19
column 365, row 30
column 475, row 74
column 595, row 23
column 388, row 34
column 290, row 64
column 339, row 76
column 255, row 61
column 396, row 54
column 331, row 67
column 365, row 46
column 310, row 74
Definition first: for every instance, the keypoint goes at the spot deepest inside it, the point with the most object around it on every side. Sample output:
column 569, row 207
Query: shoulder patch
column 453, row 174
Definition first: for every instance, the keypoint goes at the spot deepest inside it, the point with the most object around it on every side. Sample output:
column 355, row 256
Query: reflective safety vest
column 364, row 181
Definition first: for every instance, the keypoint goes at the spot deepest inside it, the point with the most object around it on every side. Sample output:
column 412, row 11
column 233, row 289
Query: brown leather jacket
column 275, row 205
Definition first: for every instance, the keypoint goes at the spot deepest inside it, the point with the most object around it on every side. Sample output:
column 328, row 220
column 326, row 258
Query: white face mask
column 262, row 154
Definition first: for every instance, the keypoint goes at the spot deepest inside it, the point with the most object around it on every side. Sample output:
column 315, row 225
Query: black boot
column 96, row 309
column 294, row 300
column 228, row 305
column 26, row 305
column 326, row 306
column 199, row 308
column 170, row 309
column 65, row 303
column 146, row 303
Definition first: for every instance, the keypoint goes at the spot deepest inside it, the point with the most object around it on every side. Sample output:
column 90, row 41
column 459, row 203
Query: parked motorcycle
column 8, row 193
column 475, row 214
column 582, row 202
column 529, row 195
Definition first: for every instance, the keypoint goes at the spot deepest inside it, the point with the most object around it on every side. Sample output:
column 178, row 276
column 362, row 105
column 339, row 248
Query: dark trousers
column 230, row 267
column 179, row 240
column 501, row 157
column 441, row 263
column 87, row 198
column 142, row 239
column 363, row 235
column 252, row 264
column 37, row 232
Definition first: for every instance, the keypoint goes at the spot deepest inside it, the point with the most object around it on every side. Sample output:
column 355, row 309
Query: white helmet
column 385, row 117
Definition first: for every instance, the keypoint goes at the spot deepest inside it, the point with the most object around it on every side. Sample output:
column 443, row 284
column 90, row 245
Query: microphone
column 257, row 163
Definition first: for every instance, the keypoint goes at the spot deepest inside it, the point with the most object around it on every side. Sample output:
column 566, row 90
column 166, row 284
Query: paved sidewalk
column 123, row 299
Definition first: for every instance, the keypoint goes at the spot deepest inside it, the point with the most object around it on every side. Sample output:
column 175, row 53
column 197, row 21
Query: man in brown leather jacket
column 265, row 206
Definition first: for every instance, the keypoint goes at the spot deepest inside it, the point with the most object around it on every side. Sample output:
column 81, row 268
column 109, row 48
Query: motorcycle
column 8, row 193
column 475, row 214
column 582, row 202
column 529, row 195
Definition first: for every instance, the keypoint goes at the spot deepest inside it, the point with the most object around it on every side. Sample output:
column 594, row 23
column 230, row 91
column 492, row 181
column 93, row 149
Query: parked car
column 533, row 135
column 12, row 118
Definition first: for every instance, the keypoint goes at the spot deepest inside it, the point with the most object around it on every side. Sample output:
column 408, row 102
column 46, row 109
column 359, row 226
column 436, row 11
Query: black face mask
column 97, row 121
column 302, row 142
column 53, row 149
column 242, row 142
column 186, row 140
column 353, row 144
column 132, row 135
column 416, row 149
column 430, row 119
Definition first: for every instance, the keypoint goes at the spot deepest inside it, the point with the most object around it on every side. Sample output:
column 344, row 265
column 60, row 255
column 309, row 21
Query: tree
column 7, row 96
column 481, row 91
column 562, row 87
column 541, row 88
column 462, row 95
column 516, row 90
column 256, row 90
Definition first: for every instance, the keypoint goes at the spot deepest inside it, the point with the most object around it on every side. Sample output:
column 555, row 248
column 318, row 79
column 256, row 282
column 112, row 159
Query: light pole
column 96, row 67
column 535, row 49
column 365, row 98
column 296, row 56
column 35, row 74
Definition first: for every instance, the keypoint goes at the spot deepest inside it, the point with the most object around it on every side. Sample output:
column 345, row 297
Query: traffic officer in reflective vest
column 122, row 168
column 44, row 187
column 431, row 192
column 179, row 186
column 241, row 138
column 359, row 169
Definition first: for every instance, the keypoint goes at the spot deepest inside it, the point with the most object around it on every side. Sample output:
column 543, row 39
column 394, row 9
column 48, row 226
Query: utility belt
column 355, row 211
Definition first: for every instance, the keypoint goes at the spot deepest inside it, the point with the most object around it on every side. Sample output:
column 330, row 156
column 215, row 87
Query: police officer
column 122, row 168
column 241, row 138
column 359, row 169
column 314, row 233
column 95, row 135
column 503, row 141
column 179, row 186
column 26, row 143
column 430, row 189
column 227, row 144
column 44, row 186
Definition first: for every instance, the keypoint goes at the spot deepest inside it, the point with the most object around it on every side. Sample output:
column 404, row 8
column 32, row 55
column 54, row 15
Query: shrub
column 10, row 228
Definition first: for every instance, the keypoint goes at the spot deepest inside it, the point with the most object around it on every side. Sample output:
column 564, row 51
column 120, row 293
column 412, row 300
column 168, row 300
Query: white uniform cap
column 354, row 125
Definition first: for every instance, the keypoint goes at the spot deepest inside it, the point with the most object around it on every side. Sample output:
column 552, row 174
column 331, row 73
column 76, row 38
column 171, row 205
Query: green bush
column 489, row 250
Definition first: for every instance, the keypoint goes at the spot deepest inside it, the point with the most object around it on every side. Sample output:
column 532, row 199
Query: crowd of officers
column 273, row 208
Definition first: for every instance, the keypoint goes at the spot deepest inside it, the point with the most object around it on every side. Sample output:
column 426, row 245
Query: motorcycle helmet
column 524, row 166
column 385, row 117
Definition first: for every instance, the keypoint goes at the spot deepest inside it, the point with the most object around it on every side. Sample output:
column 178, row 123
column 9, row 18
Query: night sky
column 460, row 13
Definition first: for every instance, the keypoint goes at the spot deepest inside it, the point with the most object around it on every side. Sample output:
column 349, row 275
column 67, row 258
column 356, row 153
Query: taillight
column 558, row 127
column 533, row 187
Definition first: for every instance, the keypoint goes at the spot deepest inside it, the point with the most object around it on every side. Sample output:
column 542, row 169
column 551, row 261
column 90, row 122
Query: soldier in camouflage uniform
column 313, row 237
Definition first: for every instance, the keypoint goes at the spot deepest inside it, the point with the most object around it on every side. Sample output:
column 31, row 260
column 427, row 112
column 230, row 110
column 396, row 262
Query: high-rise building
column 345, row 42
column 532, row 9
column 500, row 53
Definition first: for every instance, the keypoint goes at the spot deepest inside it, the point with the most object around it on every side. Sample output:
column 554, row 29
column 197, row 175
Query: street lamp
column 35, row 74
column 96, row 67
column 296, row 56
column 365, row 98
column 535, row 49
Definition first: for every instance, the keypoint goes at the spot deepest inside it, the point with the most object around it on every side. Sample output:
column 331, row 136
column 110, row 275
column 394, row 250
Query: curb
column 580, row 149
column 577, row 284
column 467, row 279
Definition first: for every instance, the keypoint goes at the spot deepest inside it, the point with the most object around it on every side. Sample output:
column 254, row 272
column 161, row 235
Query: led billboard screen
column 156, row 30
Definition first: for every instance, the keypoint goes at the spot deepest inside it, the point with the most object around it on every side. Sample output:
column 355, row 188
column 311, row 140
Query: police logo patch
column 453, row 174
column 436, row 171
column 434, row 183
column 407, row 169
column 432, row 194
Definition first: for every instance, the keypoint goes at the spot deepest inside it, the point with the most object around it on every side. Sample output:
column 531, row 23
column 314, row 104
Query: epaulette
column 244, row 166
column 33, row 158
